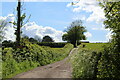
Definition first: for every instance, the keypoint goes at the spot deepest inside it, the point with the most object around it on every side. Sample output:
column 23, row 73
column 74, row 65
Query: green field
column 83, row 61
column 93, row 46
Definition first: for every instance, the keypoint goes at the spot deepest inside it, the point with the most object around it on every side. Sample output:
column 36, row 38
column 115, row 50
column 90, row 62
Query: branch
column 110, row 8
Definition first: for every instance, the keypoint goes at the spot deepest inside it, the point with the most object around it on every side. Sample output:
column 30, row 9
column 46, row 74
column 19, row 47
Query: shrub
column 84, row 64
column 8, row 44
column 30, row 56
column 52, row 44
column 109, row 66
column 86, row 61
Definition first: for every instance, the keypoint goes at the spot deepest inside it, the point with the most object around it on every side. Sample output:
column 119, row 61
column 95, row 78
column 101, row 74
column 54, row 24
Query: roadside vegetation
column 92, row 60
column 30, row 56
column 96, row 61
column 85, row 60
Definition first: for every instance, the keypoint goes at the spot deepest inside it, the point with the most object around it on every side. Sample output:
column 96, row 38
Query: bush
column 52, row 44
column 30, row 56
column 8, row 44
column 84, row 64
column 109, row 66
column 86, row 61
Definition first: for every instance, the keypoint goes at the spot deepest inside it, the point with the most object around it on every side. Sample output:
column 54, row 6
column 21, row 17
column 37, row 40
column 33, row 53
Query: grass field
column 93, row 46
column 83, row 61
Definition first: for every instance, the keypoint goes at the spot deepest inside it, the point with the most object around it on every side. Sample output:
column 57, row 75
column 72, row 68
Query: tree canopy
column 47, row 39
column 111, row 54
column 112, row 14
column 75, row 32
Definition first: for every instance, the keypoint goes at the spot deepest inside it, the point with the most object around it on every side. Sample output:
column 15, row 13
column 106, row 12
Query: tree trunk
column 75, row 44
column 18, row 24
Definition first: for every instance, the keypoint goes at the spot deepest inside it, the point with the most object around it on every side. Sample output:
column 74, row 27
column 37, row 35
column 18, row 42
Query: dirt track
column 60, row 69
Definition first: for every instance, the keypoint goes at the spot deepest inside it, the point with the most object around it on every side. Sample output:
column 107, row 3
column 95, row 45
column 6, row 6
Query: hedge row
column 85, row 64
column 8, row 44
column 96, row 62
column 29, row 57
column 52, row 44
column 86, row 60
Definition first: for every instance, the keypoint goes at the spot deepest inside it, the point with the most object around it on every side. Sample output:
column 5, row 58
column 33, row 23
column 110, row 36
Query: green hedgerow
column 29, row 56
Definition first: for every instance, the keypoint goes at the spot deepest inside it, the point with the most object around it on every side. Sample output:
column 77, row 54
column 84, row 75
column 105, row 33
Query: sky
column 52, row 18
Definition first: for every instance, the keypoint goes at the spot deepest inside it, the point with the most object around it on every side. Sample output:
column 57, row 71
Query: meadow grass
column 93, row 46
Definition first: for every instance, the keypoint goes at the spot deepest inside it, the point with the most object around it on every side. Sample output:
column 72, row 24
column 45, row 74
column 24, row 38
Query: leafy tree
column 33, row 40
column 47, row 39
column 75, row 32
column 65, row 37
column 19, row 23
column 112, row 11
column 109, row 64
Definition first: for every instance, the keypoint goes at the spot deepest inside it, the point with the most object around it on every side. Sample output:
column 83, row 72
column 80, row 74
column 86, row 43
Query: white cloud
column 88, row 34
column 68, row 5
column 102, row 27
column 109, row 36
column 9, row 30
column 91, row 6
column 81, row 17
column 31, row 29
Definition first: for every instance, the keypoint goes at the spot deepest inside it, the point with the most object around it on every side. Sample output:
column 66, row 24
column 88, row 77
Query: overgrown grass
column 29, row 57
column 85, row 59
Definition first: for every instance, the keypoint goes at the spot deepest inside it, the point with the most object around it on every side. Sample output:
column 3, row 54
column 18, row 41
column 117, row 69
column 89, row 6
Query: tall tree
column 75, row 32
column 19, row 23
